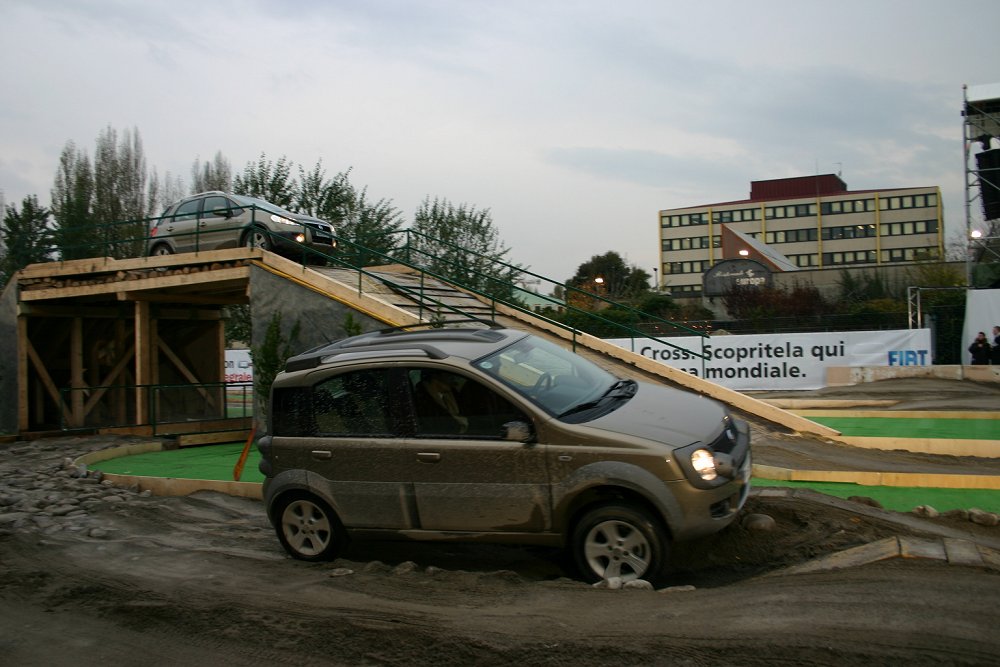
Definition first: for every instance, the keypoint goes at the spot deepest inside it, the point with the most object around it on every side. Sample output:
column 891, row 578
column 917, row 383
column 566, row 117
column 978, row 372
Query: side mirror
column 223, row 212
column 518, row 432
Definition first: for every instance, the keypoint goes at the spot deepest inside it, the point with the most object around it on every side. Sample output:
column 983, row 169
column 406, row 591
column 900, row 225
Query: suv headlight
column 703, row 462
column 282, row 221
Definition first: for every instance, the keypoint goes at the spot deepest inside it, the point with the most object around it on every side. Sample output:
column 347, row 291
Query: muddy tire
column 307, row 528
column 619, row 541
column 257, row 237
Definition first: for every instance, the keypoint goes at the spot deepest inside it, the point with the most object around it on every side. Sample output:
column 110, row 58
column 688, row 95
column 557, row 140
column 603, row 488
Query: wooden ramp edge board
column 903, row 414
column 799, row 404
column 867, row 478
column 363, row 302
column 729, row 396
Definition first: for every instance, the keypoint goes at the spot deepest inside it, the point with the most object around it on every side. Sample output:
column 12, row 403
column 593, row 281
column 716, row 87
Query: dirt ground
column 202, row 580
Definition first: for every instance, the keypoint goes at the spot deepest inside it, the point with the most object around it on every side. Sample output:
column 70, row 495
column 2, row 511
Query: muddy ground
column 202, row 580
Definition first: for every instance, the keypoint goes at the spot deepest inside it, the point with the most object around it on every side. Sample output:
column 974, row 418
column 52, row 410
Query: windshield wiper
column 618, row 389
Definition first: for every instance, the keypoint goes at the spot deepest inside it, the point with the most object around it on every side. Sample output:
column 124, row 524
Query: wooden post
column 76, row 372
column 22, row 374
column 145, row 347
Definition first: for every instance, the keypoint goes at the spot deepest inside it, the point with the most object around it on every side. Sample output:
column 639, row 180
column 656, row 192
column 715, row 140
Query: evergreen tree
column 25, row 236
column 271, row 181
column 370, row 227
column 462, row 243
column 72, row 197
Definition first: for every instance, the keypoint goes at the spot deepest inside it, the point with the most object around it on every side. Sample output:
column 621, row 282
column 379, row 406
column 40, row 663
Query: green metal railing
column 495, row 281
column 171, row 409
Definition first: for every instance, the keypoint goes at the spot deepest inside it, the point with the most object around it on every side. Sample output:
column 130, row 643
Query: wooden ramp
column 87, row 324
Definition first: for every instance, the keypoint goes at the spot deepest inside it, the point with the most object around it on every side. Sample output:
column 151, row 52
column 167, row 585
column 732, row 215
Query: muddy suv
column 490, row 434
column 218, row 220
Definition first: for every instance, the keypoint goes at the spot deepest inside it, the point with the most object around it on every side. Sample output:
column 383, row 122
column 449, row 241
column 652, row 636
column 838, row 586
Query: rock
column 432, row 570
column 865, row 500
column 759, row 523
column 405, row 567
column 98, row 533
column 925, row 510
column 961, row 515
column 341, row 572
column 983, row 518
column 677, row 589
column 376, row 566
column 638, row 585
column 611, row 583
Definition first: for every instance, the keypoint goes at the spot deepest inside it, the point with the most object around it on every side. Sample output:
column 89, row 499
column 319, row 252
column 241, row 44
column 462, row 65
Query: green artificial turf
column 214, row 462
column 902, row 498
column 908, row 427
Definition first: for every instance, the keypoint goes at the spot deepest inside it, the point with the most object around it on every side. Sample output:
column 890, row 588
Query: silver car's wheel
column 308, row 529
column 619, row 541
column 257, row 238
column 160, row 250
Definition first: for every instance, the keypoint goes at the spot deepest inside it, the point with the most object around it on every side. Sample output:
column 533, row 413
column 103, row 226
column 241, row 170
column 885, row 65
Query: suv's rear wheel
column 307, row 528
column 257, row 237
column 619, row 541
column 161, row 249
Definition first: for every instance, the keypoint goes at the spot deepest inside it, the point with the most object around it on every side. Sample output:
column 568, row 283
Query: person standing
column 996, row 346
column 980, row 350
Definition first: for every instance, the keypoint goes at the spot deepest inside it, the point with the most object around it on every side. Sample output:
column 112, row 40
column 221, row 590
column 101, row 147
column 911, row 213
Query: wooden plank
column 212, row 438
column 110, row 265
column 160, row 282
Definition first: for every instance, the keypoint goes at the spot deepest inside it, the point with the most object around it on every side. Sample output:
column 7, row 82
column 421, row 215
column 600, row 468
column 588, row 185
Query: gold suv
column 491, row 434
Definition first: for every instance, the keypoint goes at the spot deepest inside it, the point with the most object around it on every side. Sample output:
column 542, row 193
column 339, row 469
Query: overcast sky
column 573, row 122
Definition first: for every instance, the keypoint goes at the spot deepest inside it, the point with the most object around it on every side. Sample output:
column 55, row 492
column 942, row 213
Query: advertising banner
column 239, row 366
column 784, row 361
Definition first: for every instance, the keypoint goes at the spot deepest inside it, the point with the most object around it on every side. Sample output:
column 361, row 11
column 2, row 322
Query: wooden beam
column 76, row 380
column 158, row 282
column 22, row 374
column 186, row 298
column 47, row 382
column 186, row 372
column 111, row 265
column 144, row 343
column 108, row 379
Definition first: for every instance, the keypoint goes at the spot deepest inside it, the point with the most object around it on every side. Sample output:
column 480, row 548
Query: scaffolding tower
column 981, row 142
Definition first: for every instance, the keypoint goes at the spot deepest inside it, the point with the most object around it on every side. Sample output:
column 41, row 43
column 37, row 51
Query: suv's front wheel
column 257, row 237
column 307, row 528
column 619, row 541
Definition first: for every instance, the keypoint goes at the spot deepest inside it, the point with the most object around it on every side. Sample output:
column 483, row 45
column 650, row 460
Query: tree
column 462, row 243
column 608, row 276
column 214, row 175
column 332, row 200
column 25, row 235
column 271, row 181
column 72, row 196
column 370, row 227
column 121, row 196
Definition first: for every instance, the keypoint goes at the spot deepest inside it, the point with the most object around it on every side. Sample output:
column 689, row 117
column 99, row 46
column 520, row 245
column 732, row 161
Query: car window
column 352, row 403
column 449, row 404
column 216, row 203
column 187, row 211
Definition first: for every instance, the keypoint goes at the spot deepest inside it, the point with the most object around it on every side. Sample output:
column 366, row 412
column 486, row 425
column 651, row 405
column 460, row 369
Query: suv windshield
column 554, row 378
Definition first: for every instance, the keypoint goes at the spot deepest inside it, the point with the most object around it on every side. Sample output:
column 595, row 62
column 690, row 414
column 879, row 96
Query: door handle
column 428, row 457
column 564, row 458
column 322, row 454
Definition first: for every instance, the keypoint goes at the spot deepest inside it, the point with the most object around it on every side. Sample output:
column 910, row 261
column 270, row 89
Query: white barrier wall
column 784, row 361
column 239, row 366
